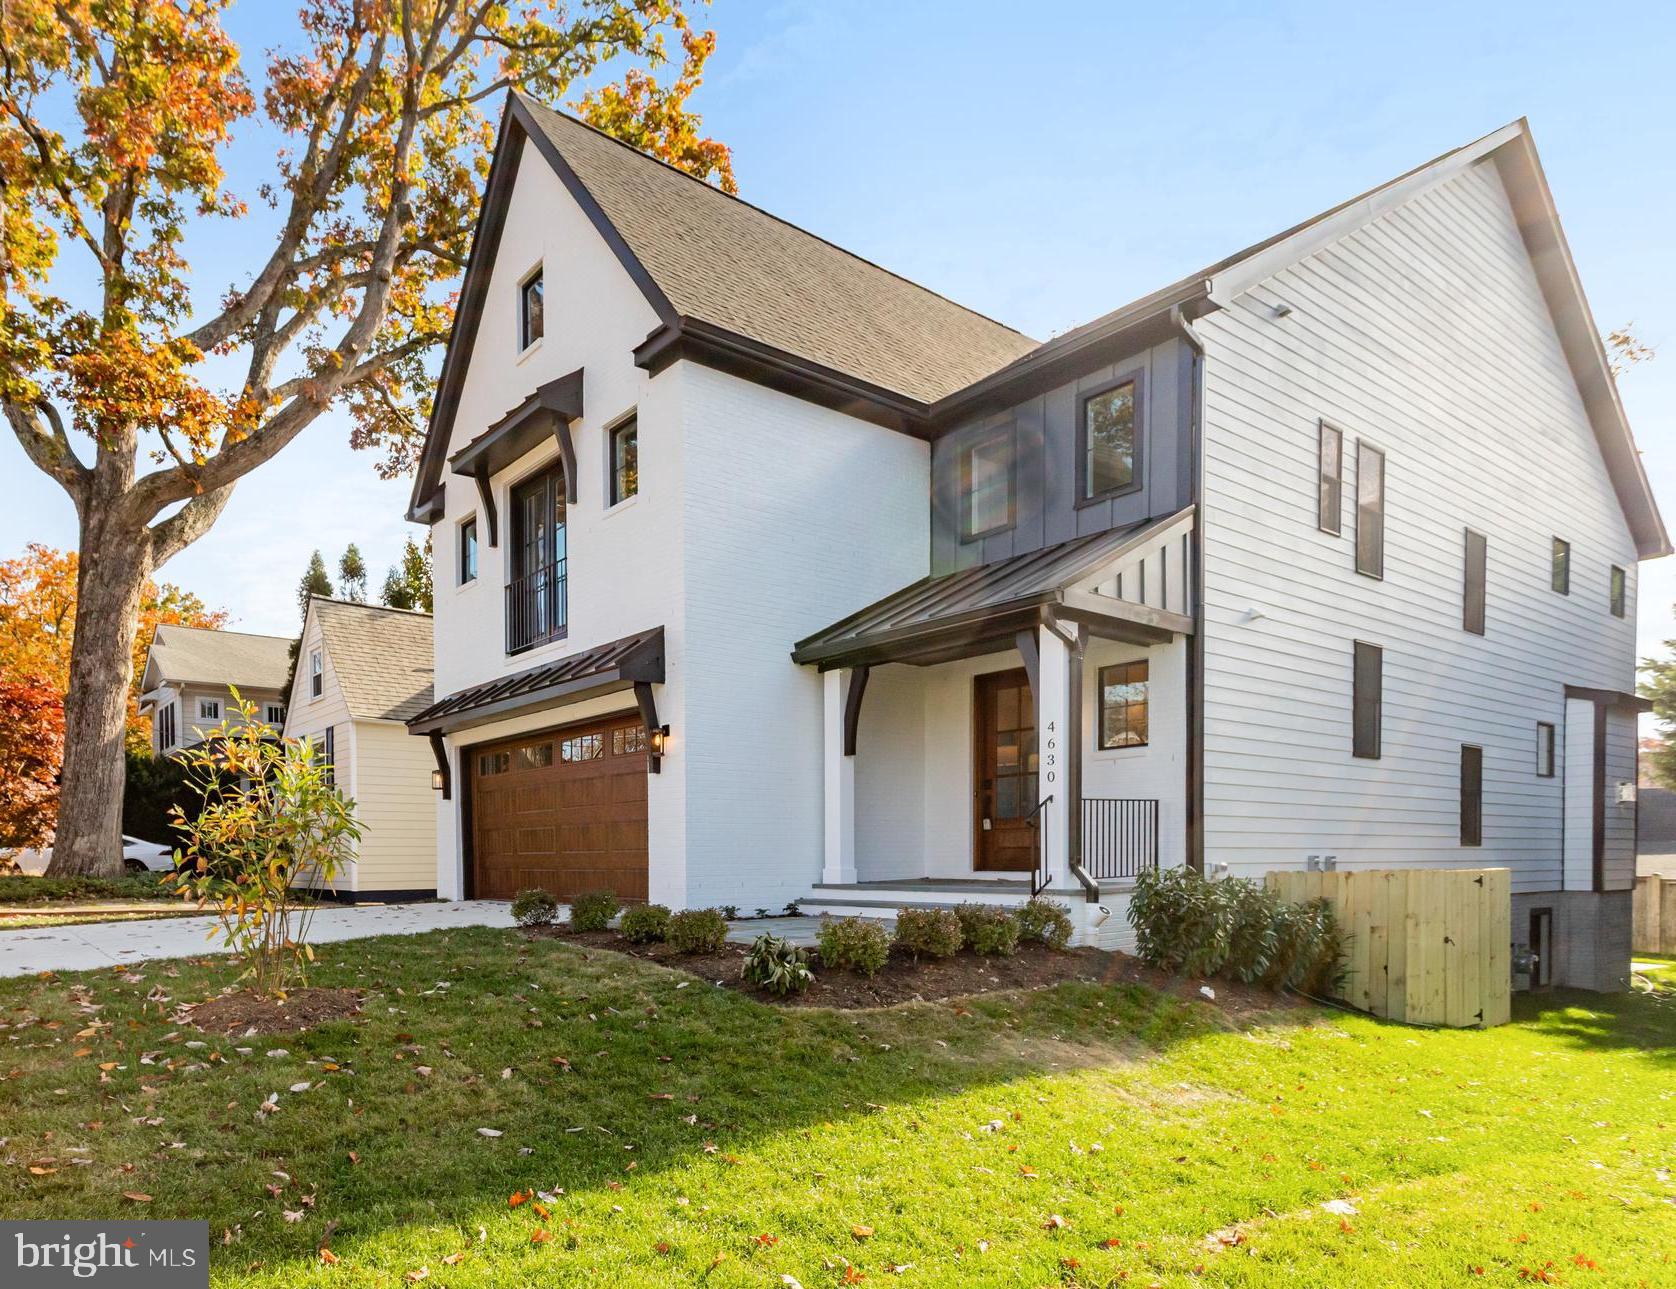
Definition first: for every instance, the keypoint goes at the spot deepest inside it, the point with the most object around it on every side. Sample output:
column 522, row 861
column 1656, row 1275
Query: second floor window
column 625, row 460
column 536, row 606
column 1330, row 479
column 468, row 551
column 1544, row 750
column 1472, row 589
column 1559, row 576
column 531, row 323
column 209, row 709
column 986, row 486
column 1370, row 510
column 1620, row 592
column 316, row 673
column 1110, row 445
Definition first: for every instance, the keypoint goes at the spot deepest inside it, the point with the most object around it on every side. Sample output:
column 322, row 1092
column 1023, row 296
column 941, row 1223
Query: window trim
column 460, row 529
column 1546, row 745
column 1137, row 473
column 554, row 469
column 1007, row 435
column 1617, row 591
column 629, row 420
column 1336, row 529
column 316, row 673
column 1470, row 623
column 1100, row 744
column 527, row 342
column 1358, row 747
column 214, row 712
column 1370, row 567
column 1472, row 799
column 1559, row 566
column 268, row 713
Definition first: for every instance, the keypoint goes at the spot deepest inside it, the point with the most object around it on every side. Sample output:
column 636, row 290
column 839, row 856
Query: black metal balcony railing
column 536, row 608
column 1119, row 837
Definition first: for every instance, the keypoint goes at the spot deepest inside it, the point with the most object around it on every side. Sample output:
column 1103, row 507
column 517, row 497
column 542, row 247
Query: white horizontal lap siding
column 1426, row 335
column 307, row 717
column 793, row 516
column 395, row 806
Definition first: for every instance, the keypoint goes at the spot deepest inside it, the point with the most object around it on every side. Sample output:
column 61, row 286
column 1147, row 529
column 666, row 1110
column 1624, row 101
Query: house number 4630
column 1050, row 758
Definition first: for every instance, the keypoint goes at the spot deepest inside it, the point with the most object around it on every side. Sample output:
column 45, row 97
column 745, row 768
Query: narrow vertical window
column 1472, row 588
column 468, row 551
column 1367, row 700
column 329, row 754
column 1330, row 502
column 531, row 320
column 1110, row 442
column 1620, row 592
column 1370, row 510
column 1544, row 750
column 986, row 486
column 1472, row 795
column 316, row 673
column 1560, row 574
column 625, row 460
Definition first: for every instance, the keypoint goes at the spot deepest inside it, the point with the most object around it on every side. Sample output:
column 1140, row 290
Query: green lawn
column 18, row 889
column 699, row 1137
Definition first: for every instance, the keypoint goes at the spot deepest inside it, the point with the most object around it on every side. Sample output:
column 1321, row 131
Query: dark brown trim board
column 852, row 707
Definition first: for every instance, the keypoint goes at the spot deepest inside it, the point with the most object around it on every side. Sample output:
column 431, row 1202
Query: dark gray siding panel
column 1045, row 473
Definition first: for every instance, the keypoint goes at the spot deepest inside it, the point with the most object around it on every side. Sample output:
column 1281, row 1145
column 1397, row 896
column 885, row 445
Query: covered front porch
column 1011, row 729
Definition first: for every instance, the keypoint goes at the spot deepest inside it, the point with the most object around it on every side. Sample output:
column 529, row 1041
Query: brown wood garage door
column 563, row 810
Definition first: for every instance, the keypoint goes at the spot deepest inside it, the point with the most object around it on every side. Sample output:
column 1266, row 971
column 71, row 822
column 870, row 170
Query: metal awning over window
column 547, row 412
column 627, row 663
column 1125, row 584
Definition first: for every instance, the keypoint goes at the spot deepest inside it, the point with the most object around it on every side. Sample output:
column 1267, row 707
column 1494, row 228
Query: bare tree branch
column 40, row 430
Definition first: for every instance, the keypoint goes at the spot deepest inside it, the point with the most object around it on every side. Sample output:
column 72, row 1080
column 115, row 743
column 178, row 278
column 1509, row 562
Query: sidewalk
column 104, row 944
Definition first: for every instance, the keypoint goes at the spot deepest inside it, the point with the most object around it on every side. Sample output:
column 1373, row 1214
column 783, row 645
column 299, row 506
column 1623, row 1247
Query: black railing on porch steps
column 1119, row 837
column 1041, row 875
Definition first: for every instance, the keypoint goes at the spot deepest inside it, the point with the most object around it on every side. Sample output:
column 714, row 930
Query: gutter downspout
column 1196, row 580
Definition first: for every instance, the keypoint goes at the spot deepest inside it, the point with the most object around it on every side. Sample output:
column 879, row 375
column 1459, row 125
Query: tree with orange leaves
column 114, row 117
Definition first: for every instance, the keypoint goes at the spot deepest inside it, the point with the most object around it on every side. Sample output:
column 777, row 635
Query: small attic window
column 530, row 321
column 316, row 673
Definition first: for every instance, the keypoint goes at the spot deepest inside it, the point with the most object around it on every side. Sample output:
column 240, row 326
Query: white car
column 137, row 857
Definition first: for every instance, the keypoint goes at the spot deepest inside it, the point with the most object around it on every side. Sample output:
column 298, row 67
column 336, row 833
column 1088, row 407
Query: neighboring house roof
column 1655, row 821
column 740, row 290
column 959, row 614
column 382, row 657
column 199, row 656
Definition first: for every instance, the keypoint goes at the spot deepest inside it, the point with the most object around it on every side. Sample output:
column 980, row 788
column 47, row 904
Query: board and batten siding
column 1424, row 333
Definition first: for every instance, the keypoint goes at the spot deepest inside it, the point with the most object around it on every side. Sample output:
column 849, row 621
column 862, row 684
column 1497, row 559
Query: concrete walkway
column 103, row 944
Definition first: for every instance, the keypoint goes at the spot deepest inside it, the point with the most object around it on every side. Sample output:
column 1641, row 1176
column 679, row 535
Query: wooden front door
column 563, row 810
column 1004, row 776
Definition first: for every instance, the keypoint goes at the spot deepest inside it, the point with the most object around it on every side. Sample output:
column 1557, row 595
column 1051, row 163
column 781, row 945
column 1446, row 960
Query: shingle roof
column 382, row 657
column 723, row 261
column 197, row 655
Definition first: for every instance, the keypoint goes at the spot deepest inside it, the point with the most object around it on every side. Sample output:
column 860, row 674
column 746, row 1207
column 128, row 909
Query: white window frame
column 316, row 674
column 209, row 709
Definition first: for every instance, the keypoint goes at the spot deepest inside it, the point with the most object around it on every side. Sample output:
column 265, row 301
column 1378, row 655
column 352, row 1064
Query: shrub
column 645, row 923
column 1235, row 927
column 928, row 933
column 793, row 909
column 594, row 910
column 534, row 907
column 273, row 826
column 988, row 929
column 855, row 944
column 777, row 965
column 1045, row 921
column 696, row 931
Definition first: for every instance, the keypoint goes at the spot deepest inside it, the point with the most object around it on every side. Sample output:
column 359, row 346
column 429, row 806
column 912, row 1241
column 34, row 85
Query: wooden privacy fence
column 1429, row 946
column 1654, row 928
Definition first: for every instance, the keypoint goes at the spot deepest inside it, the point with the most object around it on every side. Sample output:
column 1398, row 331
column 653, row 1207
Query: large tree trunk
column 113, row 570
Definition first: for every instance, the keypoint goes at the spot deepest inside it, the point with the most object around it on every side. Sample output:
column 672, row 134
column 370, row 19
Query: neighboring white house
column 362, row 671
column 764, row 574
column 189, row 672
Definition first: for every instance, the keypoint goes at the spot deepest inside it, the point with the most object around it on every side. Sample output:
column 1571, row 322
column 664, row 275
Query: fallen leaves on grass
column 861, row 1232
column 139, row 1197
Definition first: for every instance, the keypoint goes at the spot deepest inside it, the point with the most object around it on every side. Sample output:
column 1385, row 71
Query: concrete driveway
column 104, row 944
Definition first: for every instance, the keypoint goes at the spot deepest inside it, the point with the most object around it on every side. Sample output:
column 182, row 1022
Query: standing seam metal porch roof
column 989, row 591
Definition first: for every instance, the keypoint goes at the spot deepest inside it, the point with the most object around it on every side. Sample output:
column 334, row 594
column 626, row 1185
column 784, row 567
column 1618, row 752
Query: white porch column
column 839, row 793
column 1053, row 724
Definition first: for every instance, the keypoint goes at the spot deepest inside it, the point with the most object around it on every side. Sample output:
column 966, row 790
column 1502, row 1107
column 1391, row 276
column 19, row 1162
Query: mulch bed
column 242, row 1011
column 903, row 980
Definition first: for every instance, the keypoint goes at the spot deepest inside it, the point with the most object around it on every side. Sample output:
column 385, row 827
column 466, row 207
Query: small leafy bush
column 855, row 944
column 1045, row 921
column 534, row 907
column 777, row 965
column 594, row 910
column 645, row 923
column 928, row 933
column 696, row 931
column 988, row 929
column 1235, row 927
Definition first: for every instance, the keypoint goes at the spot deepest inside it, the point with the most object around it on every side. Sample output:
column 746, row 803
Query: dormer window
column 530, row 324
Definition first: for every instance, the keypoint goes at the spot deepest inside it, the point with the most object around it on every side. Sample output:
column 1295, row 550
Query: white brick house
column 766, row 575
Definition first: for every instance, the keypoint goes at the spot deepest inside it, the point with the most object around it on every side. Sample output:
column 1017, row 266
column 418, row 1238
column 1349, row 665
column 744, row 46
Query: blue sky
column 1046, row 163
